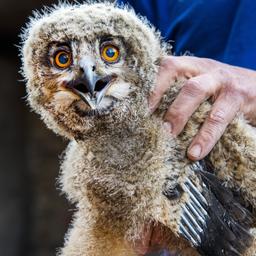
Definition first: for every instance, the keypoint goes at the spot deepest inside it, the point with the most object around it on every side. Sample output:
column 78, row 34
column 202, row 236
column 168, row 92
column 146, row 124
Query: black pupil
column 110, row 52
column 63, row 58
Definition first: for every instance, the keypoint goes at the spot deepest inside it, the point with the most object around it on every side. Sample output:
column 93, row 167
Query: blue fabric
column 224, row 30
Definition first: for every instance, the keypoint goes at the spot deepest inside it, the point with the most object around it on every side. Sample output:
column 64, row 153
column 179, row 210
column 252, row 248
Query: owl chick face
column 88, row 64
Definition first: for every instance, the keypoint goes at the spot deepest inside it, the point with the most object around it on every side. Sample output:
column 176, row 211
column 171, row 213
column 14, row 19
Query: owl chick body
column 89, row 71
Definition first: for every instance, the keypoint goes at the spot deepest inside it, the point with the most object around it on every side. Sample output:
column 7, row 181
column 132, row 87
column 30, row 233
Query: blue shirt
column 223, row 30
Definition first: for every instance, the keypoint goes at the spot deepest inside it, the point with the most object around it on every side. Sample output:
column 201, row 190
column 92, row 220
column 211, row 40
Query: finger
column 170, row 69
column 223, row 112
column 165, row 77
column 193, row 93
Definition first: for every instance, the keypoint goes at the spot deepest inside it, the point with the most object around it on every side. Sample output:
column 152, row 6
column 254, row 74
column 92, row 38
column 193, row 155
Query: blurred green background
column 33, row 214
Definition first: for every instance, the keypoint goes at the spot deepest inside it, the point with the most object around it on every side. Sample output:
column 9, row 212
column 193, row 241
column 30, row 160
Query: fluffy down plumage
column 121, row 167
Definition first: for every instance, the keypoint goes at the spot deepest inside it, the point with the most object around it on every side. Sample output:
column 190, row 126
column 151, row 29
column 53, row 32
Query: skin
column 232, row 90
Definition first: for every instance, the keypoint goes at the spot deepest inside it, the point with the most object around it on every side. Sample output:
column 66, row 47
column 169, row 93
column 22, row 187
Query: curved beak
column 90, row 78
column 89, row 86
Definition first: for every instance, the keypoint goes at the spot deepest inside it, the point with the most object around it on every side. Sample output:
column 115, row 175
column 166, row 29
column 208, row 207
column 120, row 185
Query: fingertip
column 195, row 152
column 152, row 108
column 150, row 100
column 168, row 127
column 153, row 102
column 175, row 123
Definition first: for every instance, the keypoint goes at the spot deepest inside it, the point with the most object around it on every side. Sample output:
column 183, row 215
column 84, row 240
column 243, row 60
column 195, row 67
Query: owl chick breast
column 86, row 61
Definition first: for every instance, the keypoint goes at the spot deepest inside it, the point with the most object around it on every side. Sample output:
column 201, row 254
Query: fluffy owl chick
column 89, row 71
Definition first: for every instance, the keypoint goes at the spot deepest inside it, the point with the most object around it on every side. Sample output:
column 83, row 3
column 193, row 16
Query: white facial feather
column 64, row 98
column 119, row 90
column 66, row 76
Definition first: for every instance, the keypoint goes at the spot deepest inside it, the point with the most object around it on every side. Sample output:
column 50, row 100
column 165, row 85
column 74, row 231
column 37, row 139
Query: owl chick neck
column 120, row 144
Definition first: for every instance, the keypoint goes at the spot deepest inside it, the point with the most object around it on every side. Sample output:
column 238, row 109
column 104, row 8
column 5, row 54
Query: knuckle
column 231, row 93
column 193, row 88
column 217, row 117
column 175, row 114
column 208, row 62
column 222, row 71
column 207, row 134
column 225, row 77
column 168, row 63
column 213, row 128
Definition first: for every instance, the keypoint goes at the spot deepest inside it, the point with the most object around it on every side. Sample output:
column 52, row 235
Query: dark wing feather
column 228, row 223
column 226, row 197
column 222, row 234
column 214, row 221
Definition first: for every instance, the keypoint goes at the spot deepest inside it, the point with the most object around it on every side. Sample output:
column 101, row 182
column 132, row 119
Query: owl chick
column 89, row 70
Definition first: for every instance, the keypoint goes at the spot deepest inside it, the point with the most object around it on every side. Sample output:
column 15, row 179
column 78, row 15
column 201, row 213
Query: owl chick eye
column 110, row 54
column 62, row 59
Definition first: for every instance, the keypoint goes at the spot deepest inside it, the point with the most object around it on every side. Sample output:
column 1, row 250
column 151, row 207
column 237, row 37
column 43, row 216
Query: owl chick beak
column 90, row 87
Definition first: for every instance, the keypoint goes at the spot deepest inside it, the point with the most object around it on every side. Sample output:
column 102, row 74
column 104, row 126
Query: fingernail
column 168, row 127
column 195, row 151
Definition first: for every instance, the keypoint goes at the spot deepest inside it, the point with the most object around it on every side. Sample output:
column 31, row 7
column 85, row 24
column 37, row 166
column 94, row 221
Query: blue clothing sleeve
column 223, row 30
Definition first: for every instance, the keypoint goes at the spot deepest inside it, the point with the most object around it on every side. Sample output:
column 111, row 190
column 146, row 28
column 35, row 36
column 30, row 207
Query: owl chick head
column 89, row 65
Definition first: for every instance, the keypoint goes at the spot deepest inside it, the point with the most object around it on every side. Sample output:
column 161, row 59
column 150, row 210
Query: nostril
column 81, row 88
column 101, row 84
column 84, row 86
column 82, row 69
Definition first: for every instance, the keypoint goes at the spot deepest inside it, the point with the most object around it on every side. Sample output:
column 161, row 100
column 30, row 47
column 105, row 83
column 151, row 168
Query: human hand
column 232, row 89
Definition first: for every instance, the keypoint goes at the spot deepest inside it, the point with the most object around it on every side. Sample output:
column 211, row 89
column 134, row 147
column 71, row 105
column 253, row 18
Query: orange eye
column 110, row 53
column 62, row 59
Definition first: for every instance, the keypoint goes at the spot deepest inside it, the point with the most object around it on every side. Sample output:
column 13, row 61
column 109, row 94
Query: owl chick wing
column 213, row 220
